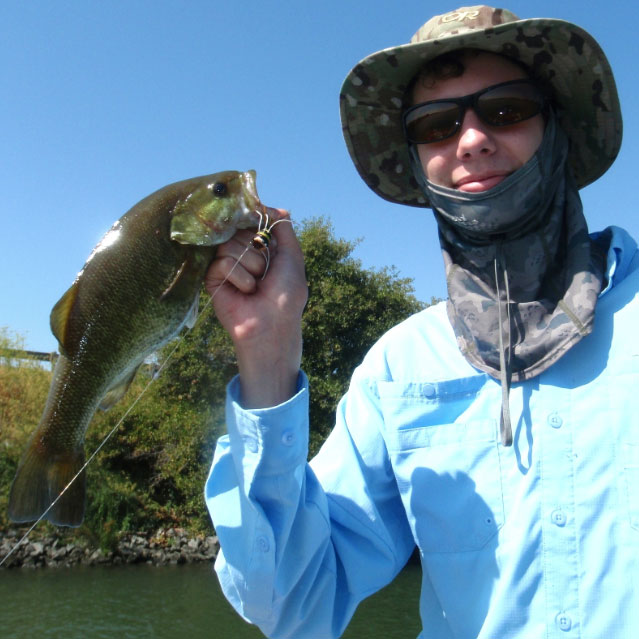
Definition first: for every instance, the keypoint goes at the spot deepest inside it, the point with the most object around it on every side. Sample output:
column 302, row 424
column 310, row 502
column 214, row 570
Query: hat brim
column 561, row 54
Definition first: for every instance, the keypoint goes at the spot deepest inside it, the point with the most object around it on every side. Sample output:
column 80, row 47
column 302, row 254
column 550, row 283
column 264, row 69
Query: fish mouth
column 251, row 202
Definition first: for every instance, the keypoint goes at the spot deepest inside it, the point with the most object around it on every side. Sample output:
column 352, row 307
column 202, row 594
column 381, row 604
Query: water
column 165, row 602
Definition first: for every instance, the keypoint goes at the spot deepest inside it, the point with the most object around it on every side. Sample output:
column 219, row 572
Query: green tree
column 23, row 390
column 152, row 470
column 348, row 309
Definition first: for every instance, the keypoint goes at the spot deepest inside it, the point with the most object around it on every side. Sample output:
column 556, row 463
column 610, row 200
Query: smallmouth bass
column 137, row 290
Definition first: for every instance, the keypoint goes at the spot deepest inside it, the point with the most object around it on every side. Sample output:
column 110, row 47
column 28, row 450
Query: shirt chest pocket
column 445, row 453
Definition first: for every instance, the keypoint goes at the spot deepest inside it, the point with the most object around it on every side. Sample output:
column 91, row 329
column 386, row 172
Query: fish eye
column 219, row 188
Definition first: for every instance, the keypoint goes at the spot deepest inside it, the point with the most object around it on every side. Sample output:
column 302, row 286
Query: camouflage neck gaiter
column 523, row 275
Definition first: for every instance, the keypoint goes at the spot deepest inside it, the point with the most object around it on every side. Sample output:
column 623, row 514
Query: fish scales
column 137, row 290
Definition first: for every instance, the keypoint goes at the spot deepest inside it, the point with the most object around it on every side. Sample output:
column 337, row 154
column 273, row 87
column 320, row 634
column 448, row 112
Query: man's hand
column 263, row 317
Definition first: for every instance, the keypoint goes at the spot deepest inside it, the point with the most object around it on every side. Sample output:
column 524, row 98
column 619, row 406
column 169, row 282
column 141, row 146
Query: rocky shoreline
column 170, row 546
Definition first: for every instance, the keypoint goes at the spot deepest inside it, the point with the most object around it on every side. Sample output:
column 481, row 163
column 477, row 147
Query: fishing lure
column 262, row 238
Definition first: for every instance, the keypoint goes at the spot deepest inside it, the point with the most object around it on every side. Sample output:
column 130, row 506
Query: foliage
column 23, row 390
column 152, row 469
column 348, row 309
column 23, row 377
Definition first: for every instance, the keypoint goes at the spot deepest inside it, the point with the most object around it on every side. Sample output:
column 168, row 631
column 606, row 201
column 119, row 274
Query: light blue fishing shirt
column 540, row 539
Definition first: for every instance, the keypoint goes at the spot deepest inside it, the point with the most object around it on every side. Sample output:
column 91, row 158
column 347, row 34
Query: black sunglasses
column 498, row 105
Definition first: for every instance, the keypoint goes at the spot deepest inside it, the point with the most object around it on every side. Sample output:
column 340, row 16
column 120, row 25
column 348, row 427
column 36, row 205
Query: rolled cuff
column 270, row 440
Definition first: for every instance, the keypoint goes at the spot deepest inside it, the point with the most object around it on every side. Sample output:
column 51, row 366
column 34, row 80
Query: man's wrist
column 268, row 376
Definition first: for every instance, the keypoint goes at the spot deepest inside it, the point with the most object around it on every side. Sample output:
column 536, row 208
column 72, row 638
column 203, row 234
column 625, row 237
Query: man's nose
column 475, row 137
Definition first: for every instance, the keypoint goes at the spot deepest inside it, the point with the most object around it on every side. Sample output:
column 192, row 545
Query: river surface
column 116, row 602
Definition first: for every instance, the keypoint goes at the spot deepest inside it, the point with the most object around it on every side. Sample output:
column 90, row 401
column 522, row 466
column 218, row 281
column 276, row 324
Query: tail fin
column 40, row 478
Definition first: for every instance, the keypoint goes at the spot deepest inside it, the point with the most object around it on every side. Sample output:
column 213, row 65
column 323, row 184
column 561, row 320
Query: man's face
column 478, row 156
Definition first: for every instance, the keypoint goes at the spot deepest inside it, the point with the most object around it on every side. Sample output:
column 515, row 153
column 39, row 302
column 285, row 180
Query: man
column 496, row 431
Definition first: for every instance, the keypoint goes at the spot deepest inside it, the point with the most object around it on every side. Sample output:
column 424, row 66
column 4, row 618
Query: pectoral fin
column 116, row 392
column 184, row 286
column 188, row 278
column 181, row 278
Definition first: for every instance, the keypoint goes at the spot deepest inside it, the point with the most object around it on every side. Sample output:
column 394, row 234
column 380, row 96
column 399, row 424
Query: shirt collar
column 622, row 256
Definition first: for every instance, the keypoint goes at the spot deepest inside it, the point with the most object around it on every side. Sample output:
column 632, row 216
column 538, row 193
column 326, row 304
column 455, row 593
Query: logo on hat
column 460, row 16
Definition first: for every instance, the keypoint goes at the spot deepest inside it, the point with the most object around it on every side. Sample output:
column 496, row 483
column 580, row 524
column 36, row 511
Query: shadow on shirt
column 457, row 535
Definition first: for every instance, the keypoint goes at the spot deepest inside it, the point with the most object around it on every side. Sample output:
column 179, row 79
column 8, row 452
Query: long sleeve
column 302, row 545
column 540, row 538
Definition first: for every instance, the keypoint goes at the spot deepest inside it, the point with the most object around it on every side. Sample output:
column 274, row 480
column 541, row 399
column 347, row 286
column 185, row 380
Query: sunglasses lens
column 501, row 105
column 432, row 122
column 510, row 104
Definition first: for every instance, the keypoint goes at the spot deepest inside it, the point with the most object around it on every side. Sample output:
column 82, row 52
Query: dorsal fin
column 60, row 316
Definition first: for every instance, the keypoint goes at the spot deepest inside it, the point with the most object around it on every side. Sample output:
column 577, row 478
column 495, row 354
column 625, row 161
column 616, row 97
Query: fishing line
column 130, row 408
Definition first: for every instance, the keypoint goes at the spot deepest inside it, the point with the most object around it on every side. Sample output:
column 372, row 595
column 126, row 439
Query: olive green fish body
column 137, row 290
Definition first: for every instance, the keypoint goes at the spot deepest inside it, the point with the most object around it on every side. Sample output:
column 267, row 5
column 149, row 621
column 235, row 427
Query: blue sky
column 104, row 102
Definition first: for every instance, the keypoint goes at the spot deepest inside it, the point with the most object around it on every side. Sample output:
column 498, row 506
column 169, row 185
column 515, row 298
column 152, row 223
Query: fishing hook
column 263, row 236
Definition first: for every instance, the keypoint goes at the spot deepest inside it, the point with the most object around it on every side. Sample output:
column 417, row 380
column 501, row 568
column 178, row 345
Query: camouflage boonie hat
column 559, row 53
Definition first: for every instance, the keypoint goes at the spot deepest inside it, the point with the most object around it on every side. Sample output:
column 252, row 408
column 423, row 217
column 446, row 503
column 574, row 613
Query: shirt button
column 263, row 544
column 251, row 444
column 558, row 517
column 429, row 390
column 288, row 438
column 563, row 621
column 555, row 420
